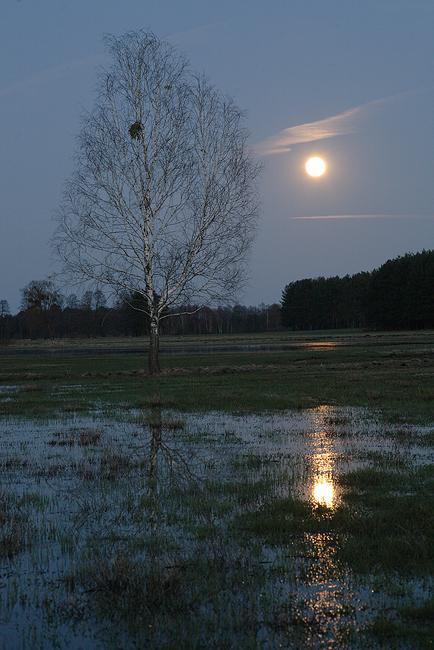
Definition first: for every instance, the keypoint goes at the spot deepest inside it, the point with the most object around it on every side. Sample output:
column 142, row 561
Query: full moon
column 315, row 166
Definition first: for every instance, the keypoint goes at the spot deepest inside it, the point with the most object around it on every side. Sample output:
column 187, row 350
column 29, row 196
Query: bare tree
column 163, row 200
column 41, row 295
column 4, row 309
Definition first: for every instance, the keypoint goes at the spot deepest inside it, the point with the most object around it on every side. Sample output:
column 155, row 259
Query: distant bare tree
column 4, row 308
column 41, row 295
column 72, row 301
column 87, row 300
column 99, row 299
column 163, row 201
column 5, row 316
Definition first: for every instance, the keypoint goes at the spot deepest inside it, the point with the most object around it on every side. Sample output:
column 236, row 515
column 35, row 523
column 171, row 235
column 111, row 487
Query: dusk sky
column 351, row 81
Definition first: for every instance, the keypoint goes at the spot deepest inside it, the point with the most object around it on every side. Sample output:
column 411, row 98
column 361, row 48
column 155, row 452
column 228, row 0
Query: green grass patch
column 393, row 372
column 380, row 528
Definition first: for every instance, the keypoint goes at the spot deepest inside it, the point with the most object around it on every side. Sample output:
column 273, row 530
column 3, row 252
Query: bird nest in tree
column 136, row 130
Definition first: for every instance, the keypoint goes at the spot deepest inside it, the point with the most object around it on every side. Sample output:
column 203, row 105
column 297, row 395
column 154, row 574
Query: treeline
column 397, row 295
column 46, row 313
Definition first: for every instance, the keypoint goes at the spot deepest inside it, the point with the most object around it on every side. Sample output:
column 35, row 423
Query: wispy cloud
column 341, row 124
column 343, row 217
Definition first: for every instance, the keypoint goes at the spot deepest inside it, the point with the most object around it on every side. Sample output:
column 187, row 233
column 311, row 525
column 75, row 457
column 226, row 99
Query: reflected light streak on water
column 324, row 604
column 323, row 493
column 320, row 345
column 323, row 489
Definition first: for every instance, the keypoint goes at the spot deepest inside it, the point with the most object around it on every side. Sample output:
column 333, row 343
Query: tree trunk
column 154, row 348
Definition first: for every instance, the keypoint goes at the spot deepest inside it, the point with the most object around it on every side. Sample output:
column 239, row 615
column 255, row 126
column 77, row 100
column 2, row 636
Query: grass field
column 265, row 491
column 392, row 371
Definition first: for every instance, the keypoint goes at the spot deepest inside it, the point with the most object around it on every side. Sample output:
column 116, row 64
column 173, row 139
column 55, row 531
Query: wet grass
column 413, row 627
column 130, row 589
column 136, row 525
column 80, row 437
column 394, row 372
column 385, row 520
column 15, row 525
column 158, row 606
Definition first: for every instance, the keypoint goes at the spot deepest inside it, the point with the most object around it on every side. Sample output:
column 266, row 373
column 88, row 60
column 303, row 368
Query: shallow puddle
column 161, row 492
column 8, row 389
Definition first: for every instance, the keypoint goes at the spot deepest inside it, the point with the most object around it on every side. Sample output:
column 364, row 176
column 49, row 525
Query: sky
column 347, row 80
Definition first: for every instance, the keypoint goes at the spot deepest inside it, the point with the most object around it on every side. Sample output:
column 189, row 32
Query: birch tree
column 162, row 202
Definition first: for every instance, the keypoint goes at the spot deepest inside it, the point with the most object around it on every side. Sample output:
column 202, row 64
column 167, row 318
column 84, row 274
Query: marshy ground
column 280, row 496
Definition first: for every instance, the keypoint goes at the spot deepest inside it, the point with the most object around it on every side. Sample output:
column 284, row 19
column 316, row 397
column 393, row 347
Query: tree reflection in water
column 176, row 466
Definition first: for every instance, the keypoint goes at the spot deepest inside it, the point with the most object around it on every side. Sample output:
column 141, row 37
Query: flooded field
column 290, row 342
column 153, row 528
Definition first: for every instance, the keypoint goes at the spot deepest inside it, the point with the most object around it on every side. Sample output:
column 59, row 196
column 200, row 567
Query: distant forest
column 46, row 313
column 398, row 295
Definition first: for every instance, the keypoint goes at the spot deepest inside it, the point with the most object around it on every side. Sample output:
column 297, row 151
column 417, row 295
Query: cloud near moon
column 339, row 217
column 341, row 124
